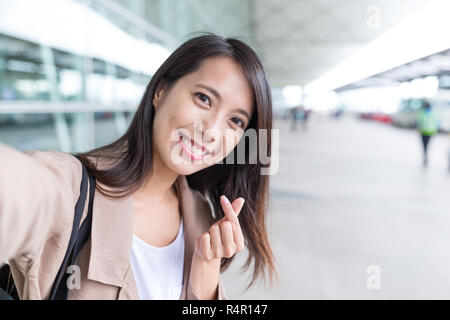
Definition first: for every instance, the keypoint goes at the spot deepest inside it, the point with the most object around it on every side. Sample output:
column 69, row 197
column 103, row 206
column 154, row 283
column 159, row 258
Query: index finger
column 231, row 210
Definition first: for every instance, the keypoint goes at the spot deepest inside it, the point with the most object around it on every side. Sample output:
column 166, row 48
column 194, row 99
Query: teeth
column 193, row 148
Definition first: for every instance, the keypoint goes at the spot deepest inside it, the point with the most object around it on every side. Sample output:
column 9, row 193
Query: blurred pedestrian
column 306, row 114
column 428, row 125
column 294, row 117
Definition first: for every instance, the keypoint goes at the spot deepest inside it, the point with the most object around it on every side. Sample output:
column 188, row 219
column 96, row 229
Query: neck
column 160, row 183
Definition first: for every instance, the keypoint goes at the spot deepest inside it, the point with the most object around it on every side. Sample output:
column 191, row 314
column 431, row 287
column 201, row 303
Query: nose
column 208, row 136
column 209, row 132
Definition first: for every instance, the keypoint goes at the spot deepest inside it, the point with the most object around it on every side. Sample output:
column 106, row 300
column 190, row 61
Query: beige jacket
column 38, row 192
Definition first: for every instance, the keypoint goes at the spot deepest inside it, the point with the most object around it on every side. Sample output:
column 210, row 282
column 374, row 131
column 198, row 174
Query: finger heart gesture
column 224, row 238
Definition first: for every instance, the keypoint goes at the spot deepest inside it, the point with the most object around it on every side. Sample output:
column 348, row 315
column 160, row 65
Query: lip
column 188, row 151
column 198, row 145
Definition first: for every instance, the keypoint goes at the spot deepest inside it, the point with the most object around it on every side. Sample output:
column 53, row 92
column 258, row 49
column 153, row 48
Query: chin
column 184, row 171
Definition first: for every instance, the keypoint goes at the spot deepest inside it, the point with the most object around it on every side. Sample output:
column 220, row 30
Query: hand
column 224, row 238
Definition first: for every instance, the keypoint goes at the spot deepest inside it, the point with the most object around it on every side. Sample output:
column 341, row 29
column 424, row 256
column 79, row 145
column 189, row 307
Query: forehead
column 227, row 77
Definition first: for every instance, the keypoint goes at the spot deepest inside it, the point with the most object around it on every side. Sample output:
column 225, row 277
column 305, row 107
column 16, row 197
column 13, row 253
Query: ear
column 159, row 93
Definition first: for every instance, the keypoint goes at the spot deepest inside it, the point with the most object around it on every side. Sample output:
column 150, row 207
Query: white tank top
column 158, row 271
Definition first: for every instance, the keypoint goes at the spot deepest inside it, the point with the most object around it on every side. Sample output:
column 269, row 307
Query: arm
column 204, row 278
column 36, row 189
column 223, row 239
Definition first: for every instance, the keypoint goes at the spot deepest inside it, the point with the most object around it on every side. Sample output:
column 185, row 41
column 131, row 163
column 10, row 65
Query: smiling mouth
column 192, row 149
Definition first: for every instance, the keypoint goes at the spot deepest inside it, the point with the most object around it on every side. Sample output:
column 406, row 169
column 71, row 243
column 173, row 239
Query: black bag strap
column 78, row 237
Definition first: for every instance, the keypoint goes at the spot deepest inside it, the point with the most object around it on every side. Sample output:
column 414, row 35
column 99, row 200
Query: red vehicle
column 380, row 117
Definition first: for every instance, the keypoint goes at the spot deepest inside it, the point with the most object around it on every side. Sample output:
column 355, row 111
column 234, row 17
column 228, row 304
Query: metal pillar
column 61, row 126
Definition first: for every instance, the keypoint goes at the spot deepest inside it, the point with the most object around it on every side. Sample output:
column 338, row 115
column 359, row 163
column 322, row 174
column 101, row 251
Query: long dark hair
column 132, row 152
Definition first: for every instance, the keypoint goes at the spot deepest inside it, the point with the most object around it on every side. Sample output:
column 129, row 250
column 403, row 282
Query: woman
column 163, row 180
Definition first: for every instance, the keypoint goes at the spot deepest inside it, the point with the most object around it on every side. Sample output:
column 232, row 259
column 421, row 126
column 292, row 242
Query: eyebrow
column 217, row 94
column 212, row 90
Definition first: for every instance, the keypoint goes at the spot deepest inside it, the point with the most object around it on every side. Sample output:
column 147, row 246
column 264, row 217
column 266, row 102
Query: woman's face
column 202, row 117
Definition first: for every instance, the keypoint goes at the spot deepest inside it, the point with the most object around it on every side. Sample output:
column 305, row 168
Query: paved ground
column 348, row 195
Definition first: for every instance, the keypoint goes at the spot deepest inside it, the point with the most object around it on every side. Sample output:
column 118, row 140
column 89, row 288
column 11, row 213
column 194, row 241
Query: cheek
column 163, row 126
column 165, row 121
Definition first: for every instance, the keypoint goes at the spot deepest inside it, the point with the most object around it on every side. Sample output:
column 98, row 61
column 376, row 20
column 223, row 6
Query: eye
column 203, row 98
column 242, row 123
